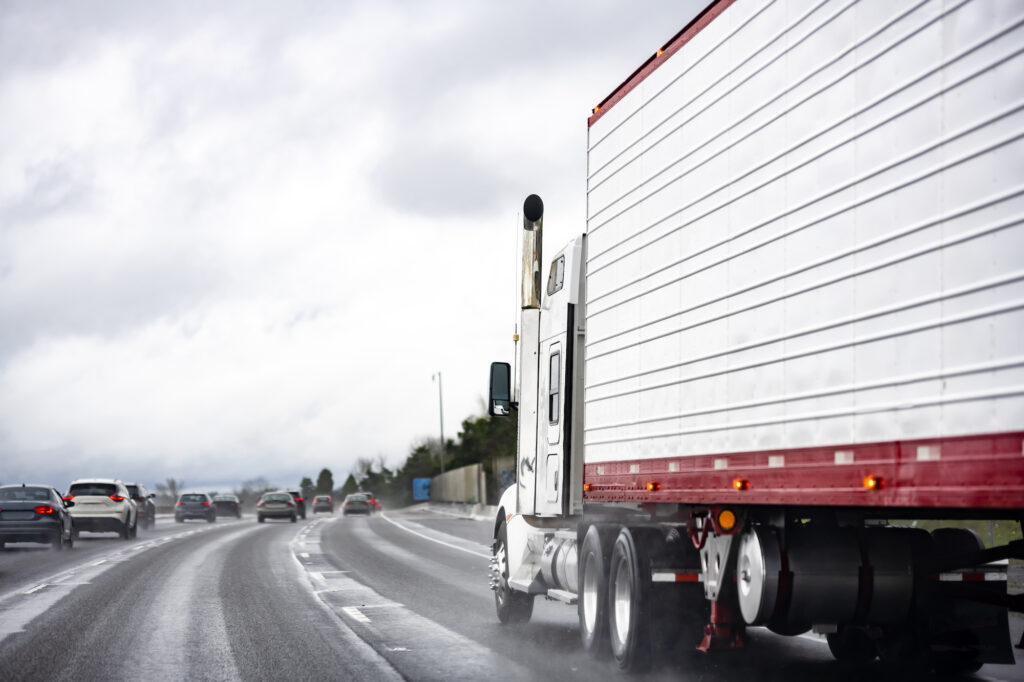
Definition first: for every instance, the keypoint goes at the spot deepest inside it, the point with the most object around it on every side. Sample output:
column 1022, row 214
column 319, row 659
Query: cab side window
column 554, row 381
column 556, row 275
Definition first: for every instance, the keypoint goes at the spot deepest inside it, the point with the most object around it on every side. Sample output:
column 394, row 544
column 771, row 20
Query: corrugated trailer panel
column 804, row 231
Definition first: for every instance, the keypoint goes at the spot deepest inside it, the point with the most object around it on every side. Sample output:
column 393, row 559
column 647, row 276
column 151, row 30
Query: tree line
column 481, row 440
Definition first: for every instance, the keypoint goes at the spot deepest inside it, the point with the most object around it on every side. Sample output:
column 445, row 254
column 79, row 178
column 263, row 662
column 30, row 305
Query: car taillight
column 206, row 504
column 347, row 503
column 260, row 503
column 43, row 509
column 298, row 499
column 68, row 498
column 180, row 504
column 117, row 498
column 291, row 504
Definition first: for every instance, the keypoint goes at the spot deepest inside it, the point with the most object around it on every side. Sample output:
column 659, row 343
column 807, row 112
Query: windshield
column 29, row 494
column 104, row 489
column 193, row 498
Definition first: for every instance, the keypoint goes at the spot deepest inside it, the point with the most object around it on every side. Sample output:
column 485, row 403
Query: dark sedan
column 300, row 504
column 144, row 501
column 228, row 505
column 34, row 513
column 195, row 506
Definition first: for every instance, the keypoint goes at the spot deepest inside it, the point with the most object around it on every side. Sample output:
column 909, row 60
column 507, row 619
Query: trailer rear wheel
column 512, row 606
column 956, row 651
column 592, row 604
column 630, row 608
column 852, row 646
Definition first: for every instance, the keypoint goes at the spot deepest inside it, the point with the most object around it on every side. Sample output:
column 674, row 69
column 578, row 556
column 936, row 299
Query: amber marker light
column 874, row 483
column 741, row 484
column 653, row 487
column 660, row 52
column 597, row 108
column 587, row 487
column 726, row 520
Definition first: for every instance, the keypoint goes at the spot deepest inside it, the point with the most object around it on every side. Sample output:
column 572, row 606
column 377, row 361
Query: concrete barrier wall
column 465, row 484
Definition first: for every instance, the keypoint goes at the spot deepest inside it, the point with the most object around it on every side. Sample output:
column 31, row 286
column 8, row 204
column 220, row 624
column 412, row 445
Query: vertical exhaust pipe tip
column 533, row 211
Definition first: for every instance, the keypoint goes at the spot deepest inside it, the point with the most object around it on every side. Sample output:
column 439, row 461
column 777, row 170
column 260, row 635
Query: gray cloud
column 219, row 223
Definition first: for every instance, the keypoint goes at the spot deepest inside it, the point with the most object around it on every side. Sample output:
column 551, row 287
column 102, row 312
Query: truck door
column 554, row 410
column 552, row 398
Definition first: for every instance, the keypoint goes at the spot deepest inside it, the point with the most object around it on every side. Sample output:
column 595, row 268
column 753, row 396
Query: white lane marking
column 396, row 648
column 97, row 563
column 304, row 555
column 34, row 589
column 440, row 542
column 355, row 614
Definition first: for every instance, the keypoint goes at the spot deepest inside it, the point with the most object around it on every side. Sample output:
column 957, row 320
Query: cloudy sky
column 238, row 238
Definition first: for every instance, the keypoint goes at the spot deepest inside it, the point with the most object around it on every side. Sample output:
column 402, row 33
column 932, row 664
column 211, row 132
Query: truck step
column 562, row 596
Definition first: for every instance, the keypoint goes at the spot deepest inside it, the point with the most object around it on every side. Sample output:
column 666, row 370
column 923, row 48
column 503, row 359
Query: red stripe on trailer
column 684, row 36
column 675, row 577
column 977, row 471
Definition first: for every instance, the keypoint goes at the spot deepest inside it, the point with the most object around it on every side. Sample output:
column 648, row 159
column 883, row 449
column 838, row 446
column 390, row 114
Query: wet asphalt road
column 398, row 596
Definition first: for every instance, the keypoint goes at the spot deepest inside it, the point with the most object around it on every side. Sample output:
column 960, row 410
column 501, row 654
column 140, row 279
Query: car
column 228, row 505
column 35, row 513
column 357, row 503
column 102, row 505
column 277, row 505
column 300, row 504
column 195, row 506
column 145, row 504
column 323, row 503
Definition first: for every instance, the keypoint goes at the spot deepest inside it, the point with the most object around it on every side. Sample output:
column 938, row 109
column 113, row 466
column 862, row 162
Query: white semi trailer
column 794, row 325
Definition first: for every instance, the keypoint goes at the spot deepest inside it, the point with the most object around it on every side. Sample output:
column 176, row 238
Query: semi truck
column 779, row 379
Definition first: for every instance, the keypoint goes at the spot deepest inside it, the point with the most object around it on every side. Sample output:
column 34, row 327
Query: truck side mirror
column 500, row 402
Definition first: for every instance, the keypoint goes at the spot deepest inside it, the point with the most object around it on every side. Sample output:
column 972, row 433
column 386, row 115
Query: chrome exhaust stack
column 533, row 220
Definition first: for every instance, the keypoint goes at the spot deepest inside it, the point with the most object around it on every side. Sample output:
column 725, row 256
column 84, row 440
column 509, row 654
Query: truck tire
column 511, row 605
column 956, row 651
column 630, row 607
column 852, row 646
column 592, row 604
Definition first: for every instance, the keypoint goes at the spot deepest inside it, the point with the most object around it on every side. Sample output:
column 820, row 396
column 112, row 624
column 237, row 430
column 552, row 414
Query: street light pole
column 440, row 408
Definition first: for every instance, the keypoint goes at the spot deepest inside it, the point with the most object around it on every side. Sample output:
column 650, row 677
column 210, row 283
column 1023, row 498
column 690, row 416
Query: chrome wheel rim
column 622, row 600
column 500, row 593
column 589, row 595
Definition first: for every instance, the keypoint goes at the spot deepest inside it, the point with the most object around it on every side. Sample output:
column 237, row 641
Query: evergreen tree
column 350, row 486
column 324, row 482
column 307, row 488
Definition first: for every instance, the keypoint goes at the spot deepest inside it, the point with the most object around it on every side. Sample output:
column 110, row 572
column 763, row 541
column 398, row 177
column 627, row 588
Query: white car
column 103, row 505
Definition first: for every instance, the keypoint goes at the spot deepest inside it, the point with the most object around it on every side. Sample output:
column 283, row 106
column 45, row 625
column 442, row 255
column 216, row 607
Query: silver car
column 357, row 503
column 277, row 505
